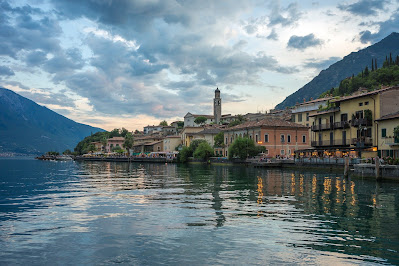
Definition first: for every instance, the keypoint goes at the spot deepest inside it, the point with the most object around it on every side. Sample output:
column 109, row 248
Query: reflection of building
column 348, row 122
column 278, row 136
column 388, row 141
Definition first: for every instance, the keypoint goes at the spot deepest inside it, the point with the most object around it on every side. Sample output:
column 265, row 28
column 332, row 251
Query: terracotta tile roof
column 172, row 136
column 152, row 143
column 389, row 116
column 270, row 122
column 208, row 131
column 345, row 98
column 116, row 138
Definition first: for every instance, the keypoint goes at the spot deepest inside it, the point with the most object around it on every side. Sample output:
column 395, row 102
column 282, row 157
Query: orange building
column 278, row 136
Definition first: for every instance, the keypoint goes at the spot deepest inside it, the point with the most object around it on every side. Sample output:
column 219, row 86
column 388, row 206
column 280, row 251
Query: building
column 303, row 113
column 279, row 137
column 186, row 134
column 217, row 107
column 115, row 142
column 152, row 129
column 388, row 137
column 207, row 134
column 170, row 143
column 140, row 143
column 189, row 119
column 348, row 124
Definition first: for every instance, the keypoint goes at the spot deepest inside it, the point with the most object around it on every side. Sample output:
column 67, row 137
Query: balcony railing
column 322, row 127
column 361, row 122
column 392, row 141
column 335, row 142
column 342, row 124
column 362, row 141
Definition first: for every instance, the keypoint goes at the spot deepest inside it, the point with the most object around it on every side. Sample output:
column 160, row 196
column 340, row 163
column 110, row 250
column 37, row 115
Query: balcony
column 322, row 127
column 362, row 142
column 329, row 143
column 392, row 141
column 361, row 122
column 342, row 124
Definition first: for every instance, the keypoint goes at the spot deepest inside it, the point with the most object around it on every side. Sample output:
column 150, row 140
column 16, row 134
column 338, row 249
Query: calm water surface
column 100, row 213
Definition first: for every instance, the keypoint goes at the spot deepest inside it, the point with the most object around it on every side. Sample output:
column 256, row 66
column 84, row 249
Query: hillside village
column 361, row 125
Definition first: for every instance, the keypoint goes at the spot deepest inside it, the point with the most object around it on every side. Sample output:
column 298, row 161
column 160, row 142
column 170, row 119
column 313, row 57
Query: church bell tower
column 217, row 106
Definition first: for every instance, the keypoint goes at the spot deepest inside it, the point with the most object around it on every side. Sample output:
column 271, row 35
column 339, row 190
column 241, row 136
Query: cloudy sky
column 127, row 63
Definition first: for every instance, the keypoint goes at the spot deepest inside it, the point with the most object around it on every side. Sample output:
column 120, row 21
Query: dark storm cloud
column 19, row 31
column 6, row 71
column 303, row 42
column 364, row 7
column 35, row 58
column 321, row 64
column 385, row 29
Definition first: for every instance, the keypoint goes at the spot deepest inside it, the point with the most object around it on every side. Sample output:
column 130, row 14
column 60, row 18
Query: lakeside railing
column 326, row 161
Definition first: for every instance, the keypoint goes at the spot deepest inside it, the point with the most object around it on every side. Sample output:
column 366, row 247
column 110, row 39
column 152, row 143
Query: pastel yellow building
column 388, row 137
column 348, row 124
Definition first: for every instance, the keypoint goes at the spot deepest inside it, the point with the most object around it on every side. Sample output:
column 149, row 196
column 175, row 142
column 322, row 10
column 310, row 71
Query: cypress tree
column 375, row 62
column 390, row 59
column 397, row 60
column 366, row 71
column 372, row 64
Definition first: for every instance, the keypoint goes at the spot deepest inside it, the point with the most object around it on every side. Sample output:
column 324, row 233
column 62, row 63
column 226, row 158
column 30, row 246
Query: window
column 304, row 139
column 293, row 118
column 226, row 140
column 384, row 132
column 256, row 137
column 282, row 152
column 289, row 152
column 231, row 139
column 299, row 117
column 360, row 104
column 266, row 137
column 288, row 138
column 267, row 152
column 366, row 103
column 307, row 116
column 282, row 138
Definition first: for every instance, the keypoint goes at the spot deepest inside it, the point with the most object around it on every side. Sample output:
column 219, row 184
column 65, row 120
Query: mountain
column 28, row 128
column 353, row 63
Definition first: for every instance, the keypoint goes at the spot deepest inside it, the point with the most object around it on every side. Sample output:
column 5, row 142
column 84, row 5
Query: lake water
column 100, row 213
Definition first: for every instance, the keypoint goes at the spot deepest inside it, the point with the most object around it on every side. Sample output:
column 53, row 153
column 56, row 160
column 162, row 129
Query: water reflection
column 153, row 211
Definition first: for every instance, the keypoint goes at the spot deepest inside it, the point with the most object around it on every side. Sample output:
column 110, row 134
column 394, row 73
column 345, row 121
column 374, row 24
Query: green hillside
column 372, row 79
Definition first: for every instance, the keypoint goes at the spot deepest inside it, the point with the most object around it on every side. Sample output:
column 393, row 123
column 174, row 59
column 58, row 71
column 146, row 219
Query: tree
column 366, row 71
column 243, row 147
column 219, row 139
column 124, row 132
column 180, row 124
column 184, row 154
column 115, row 133
column 136, row 131
column 195, row 143
column 67, row 152
column 203, row 151
column 129, row 142
column 163, row 123
column 200, row 120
